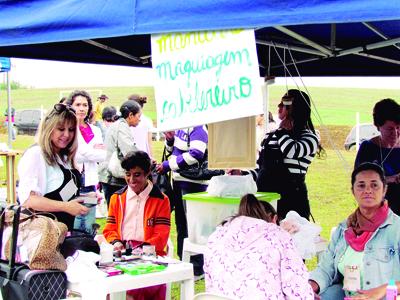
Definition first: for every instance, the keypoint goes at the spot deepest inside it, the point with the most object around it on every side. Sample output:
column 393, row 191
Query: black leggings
column 294, row 196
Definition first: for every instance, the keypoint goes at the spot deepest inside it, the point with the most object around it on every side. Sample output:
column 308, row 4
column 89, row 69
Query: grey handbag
column 114, row 164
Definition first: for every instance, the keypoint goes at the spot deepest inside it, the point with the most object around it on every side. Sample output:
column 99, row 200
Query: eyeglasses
column 60, row 107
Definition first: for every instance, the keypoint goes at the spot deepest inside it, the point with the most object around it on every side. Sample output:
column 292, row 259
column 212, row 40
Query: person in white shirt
column 142, row 133
column 91, row 151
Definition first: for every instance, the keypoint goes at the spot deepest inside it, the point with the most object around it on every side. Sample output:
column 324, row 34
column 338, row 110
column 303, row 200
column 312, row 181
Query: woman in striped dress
column 286, row 154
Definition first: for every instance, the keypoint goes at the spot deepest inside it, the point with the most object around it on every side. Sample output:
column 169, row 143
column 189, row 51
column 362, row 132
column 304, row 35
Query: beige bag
column 39, row 240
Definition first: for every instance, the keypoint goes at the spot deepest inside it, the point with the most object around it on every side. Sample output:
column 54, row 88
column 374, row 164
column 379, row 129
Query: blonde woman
column 48, row 179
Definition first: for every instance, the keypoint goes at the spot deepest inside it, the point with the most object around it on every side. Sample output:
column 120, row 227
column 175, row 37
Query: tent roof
column 101, row 31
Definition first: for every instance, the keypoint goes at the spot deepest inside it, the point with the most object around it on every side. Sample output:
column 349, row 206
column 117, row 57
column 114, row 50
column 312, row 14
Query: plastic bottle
column 391, row 290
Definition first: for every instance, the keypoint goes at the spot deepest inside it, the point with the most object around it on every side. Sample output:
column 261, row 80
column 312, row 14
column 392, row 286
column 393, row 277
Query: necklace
column 387, row 155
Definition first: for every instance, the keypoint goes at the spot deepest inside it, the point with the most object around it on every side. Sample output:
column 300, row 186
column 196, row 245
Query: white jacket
column 87, row 156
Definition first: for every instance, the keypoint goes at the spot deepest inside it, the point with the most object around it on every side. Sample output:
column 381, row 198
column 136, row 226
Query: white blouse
column 89, row 156
column 35, row 175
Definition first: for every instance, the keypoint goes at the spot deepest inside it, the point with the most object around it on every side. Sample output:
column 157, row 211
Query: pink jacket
column 249, row 258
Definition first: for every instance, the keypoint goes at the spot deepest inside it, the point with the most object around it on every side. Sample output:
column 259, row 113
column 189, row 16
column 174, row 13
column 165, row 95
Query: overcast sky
column 47, row 74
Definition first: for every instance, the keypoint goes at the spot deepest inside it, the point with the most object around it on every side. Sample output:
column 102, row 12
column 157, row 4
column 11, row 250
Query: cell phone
column 89, row 199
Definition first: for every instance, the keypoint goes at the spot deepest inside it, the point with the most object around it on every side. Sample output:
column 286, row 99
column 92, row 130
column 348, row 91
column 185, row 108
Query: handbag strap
column 165, row 154
column 30, row 214
column 14, row 237
column 116, row 141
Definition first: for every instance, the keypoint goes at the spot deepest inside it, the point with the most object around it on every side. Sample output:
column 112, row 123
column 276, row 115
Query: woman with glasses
column 91, row 151
column 250, row 257
column 119, row 138
column 363, row 254
column 286, row 154
column 385, row 148
column 48, row 179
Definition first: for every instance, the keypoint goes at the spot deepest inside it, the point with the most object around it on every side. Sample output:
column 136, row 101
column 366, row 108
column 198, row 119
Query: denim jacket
column 381, row 256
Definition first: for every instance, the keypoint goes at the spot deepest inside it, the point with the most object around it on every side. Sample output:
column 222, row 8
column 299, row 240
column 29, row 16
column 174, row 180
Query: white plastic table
column 117, row 286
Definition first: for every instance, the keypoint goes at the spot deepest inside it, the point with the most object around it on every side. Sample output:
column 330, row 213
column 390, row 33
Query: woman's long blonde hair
column 54, row 118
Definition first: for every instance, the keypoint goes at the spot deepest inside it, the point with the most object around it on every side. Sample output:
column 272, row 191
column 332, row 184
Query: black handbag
column 79, row 240
column 17, row 281
column 199, row 171
column 163, row 182
column 272, row 174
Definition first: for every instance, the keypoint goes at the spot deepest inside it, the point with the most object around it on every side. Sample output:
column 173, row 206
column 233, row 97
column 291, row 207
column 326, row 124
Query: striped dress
column 289, row 180
column 297, row 154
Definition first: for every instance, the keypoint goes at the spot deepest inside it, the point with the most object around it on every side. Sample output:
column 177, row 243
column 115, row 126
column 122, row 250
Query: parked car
column 367, row 131
column 27, row 120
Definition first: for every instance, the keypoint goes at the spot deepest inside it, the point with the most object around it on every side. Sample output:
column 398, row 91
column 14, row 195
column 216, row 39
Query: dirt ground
column 337, row 134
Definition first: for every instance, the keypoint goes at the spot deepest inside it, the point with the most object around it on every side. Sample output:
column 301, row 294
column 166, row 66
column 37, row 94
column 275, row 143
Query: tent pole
column 333, row 37
column 9, row 123
column 369, row 47
column 286, row 46
column 297, row 62
column 304, row 40
column 113, row 50
column 388, row 60
column 378, row 32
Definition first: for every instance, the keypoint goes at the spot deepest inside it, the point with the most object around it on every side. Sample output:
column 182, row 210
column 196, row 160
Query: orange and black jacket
column 156, row 221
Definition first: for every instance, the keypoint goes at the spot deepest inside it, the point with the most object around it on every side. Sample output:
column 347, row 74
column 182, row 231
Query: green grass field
column 336, row 106
column 328, row 179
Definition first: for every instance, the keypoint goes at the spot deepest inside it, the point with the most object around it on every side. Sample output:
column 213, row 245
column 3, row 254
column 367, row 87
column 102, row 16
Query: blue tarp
column 43, row 21
column 56, row 29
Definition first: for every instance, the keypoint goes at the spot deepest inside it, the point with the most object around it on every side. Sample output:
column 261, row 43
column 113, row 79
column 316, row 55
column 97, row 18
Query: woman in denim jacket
column 365, row 246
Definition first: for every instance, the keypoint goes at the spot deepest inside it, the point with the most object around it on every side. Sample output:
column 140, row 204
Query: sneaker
column 198, row 277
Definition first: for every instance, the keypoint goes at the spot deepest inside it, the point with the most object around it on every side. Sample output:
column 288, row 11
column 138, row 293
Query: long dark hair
column 251, row 207
column 300, row 113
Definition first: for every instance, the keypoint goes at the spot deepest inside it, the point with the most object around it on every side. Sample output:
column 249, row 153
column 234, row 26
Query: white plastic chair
column 210, row 296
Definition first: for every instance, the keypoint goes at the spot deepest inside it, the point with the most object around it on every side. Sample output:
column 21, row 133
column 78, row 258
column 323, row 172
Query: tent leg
column 9, row 118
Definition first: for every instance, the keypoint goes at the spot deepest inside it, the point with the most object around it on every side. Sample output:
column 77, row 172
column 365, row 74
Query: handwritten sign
column 205, row 77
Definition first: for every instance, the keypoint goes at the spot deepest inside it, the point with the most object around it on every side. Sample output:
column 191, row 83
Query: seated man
column 139, row 214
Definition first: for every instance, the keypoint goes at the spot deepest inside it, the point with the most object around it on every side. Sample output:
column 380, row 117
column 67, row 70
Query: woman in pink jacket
column 250, row 257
